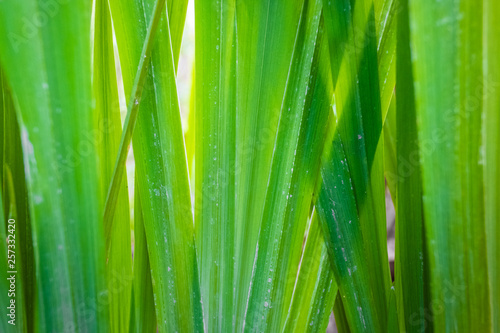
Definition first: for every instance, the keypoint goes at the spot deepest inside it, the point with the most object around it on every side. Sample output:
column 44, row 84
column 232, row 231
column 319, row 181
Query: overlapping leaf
column 266, row 33
column 305, row 117
column 53, row 98
column 315, row 289
column 108, row 124
column 162, row 169
column 351, row 201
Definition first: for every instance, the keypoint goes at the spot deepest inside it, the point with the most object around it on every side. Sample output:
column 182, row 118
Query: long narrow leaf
column 340, row 316
column 351, row 201
column 409, row 210
column 162, row 169
column 53, row 95
column 491, row 141
column 108, row 123
column 294, row 114
column 315, row 289
column 132, row 112
column 447, row 66
column 144, row 309
column 266, row 31
column 215, row 149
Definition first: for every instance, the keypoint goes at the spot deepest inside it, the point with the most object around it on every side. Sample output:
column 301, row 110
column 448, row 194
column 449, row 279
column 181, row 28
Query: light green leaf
column 131, row 117
column 108, row 124
column 289, row 221
column 215, row 149
column 315, row 288
column 390, row 159
column 161, row 168
column 351, row 201
column 386, row 23
column 409, row 261
column 491, row 142
column 266, row 31
column 47, row 66
column 446, row 39
column 277, row 233
column 144, row 304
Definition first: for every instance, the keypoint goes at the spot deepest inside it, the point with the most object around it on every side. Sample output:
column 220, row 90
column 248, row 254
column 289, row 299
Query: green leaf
column 161, row 168
column 315, row 288
column 131, row 118
column 340, row 316
column 390, row 159
column 408, row 204
column 386, row 23
column 265, row 41
column 190, row 134
column 351, row 201
column 215, row 149
column 53, row 98
column 287, row 218
column 446, row 39
column 491, row 140
column 280, row 228
column 392, row 320
column 144, row 304
column 108, row 123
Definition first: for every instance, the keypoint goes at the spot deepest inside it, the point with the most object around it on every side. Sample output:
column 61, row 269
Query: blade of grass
column 351, row 200
column 386, row 24
column 294, row 115
column 265, row 38
column 390, row 159
column 448, row 95
column 144, row 309
column 315, row 288
column 215, row 148
column 290, row 222
column 176, row 11
column 53, row 96
column 491, row 141
column 408, row 203
column 383, row 28
column 108, row 123
column 392, row 320
column 161, row 169
column 316, row 121
column 340, row 316
column 131, row 118
column 190, row 134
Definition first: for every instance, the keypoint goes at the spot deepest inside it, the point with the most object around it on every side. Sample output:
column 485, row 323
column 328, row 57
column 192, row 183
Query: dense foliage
column 267, row 211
